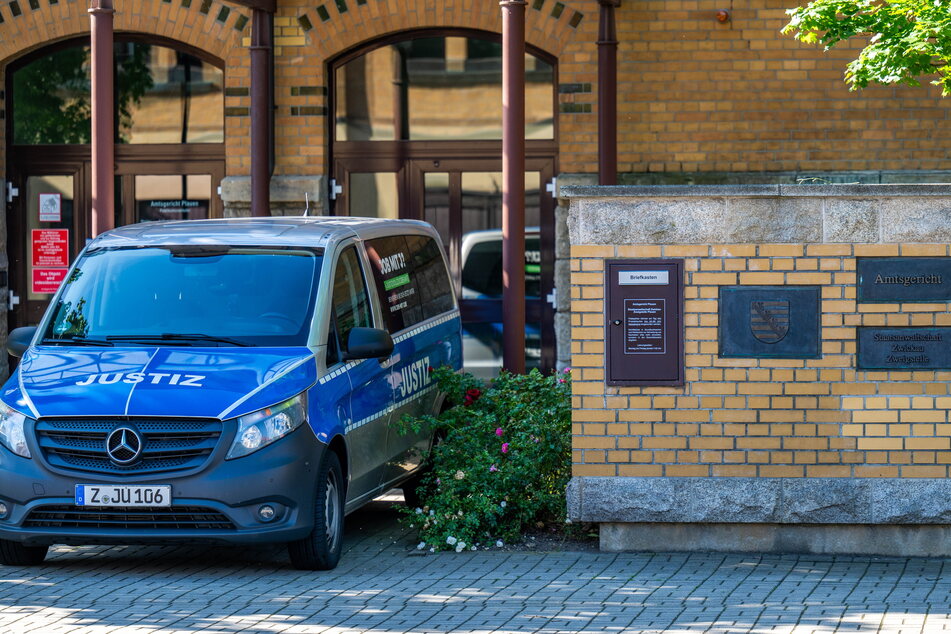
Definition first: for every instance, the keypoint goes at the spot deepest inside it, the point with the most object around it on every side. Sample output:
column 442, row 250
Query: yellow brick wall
column 760, row 417
column 698, row 95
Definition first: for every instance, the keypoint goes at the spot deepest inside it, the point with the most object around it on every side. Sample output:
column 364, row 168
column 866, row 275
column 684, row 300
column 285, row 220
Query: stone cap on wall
column 756, row 214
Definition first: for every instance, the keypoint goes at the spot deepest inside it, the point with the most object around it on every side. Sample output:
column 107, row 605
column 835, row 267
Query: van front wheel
column 16, row 554
column 321, row 549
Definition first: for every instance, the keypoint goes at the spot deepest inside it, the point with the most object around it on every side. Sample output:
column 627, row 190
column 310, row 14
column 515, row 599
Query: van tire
column 17, row 554
column 321, row 549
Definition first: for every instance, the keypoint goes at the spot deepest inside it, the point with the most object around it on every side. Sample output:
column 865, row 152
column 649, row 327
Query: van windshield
column 197, row 295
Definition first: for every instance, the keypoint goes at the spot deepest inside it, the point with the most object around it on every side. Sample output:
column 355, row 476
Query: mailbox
column 644, row 327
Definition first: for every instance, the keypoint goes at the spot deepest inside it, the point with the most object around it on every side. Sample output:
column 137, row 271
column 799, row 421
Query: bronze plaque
column 644, row 322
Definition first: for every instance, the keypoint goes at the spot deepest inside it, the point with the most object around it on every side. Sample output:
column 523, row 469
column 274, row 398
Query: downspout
column 513, row 185
column 607, row 94
column 262, row 112
column 102, row 216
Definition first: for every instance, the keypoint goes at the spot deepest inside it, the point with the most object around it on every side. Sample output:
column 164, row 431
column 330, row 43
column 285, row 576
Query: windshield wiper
column 76, row 341
column 181, row 337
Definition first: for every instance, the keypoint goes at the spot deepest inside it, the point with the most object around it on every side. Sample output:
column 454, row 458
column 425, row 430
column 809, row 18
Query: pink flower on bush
column 493, row 469
column 567, row 370
column 505, row 447
column 562, row 381
column 498, row 431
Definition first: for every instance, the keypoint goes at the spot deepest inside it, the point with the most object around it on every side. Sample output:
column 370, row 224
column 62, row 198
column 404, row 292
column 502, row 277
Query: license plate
column 123, row 495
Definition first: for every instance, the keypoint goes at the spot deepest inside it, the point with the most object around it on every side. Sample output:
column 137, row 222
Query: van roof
column 313, row 231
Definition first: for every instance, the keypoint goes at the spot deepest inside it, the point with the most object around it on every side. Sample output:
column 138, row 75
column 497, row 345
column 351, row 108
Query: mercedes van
column 224, row 381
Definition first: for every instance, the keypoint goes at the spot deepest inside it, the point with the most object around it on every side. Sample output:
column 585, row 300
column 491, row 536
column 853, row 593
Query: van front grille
column 167, row 445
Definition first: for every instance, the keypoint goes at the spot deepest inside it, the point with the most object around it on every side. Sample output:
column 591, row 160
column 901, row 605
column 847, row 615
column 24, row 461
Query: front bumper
column 216, row 503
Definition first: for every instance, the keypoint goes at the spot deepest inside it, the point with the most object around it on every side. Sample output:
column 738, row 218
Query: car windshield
column 198, row 295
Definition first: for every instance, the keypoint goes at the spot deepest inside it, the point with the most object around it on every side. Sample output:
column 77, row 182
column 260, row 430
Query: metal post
column 102, row 217
column 607, row 94
column 513, row 185
column 261, row 30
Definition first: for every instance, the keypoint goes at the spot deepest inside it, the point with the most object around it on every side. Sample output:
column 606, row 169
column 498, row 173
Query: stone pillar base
column 830, row 539
column 287, row 195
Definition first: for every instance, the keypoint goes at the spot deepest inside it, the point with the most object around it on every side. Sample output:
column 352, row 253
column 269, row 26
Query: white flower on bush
column 432, row 550
column 460, row 475
column 451, row 540
column 503, row 503
column 419, row 511
column 499, row 544
column 421, row 545
column 461, row 546
column 474, row 548
column 459, row 512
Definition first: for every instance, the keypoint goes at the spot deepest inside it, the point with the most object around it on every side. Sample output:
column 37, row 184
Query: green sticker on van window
column 395, row 282
column 533, row 268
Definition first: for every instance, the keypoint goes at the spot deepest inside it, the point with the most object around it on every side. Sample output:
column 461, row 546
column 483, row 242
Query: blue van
column 224, row 381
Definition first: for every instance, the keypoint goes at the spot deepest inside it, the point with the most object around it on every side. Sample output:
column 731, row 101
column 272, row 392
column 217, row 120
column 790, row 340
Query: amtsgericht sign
column 903, row 279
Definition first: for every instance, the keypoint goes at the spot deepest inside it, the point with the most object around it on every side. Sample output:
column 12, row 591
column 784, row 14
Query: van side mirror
column 19, row 340
column 368, row 343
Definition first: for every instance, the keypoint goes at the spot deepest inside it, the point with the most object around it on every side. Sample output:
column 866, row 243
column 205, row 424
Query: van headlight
column 12, row 430
column 261, row 428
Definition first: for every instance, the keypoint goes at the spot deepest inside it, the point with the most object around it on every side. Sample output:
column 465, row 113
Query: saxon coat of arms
column 769, row 319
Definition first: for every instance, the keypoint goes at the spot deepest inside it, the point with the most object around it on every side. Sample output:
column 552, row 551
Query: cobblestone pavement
column 380, row 587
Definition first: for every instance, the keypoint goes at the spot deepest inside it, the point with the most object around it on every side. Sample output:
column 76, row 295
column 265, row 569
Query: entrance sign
column 903, row 348
column 769, row 322
column 644, row 322
column 47, row 280
column 905, row 279
column 51, row 207
column 50, row 247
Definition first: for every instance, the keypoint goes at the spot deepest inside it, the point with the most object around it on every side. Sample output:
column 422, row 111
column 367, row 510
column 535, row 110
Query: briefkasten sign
column 644, row 322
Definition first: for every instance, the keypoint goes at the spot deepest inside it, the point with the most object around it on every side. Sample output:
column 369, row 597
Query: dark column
column 262, row 28
column 513, row 185
column 607, row 94
column 102, row 217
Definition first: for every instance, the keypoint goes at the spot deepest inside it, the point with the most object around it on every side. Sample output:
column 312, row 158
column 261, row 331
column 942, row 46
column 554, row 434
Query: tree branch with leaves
column 907, row 39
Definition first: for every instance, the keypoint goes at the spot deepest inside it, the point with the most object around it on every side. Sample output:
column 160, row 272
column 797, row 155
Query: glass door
column 46, row 231
column 465, row 205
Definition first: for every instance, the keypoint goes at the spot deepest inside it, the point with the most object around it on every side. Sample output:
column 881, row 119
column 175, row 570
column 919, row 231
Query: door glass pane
column 482, row 271
column 374, row 195
column 436, row 203
column 437, row 88
column 50, row 238
column 172, row 197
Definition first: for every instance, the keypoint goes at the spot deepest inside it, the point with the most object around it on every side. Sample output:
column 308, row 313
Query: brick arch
column 546, row 28
column 205, row 25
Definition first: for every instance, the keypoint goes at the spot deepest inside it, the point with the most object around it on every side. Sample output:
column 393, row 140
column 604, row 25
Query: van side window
column 430, row 276
column 350, row 305
column 393, row 275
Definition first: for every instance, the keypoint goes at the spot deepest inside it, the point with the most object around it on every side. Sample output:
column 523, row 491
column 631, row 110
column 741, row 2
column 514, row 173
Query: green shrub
column 502, row 461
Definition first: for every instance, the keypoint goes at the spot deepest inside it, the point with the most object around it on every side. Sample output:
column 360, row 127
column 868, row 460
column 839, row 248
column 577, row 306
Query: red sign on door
column 47, row 280
column 51, row 247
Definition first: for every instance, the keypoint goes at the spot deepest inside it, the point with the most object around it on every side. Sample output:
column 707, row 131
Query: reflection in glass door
column 466, row 209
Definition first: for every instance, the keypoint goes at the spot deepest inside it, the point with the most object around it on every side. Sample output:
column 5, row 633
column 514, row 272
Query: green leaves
column 908, row 39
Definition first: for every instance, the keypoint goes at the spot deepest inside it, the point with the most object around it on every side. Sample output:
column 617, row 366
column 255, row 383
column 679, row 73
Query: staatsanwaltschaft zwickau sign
column 903, row 279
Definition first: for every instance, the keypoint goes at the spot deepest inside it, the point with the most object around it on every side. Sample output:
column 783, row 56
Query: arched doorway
column 169, row 134
column 417, row 129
